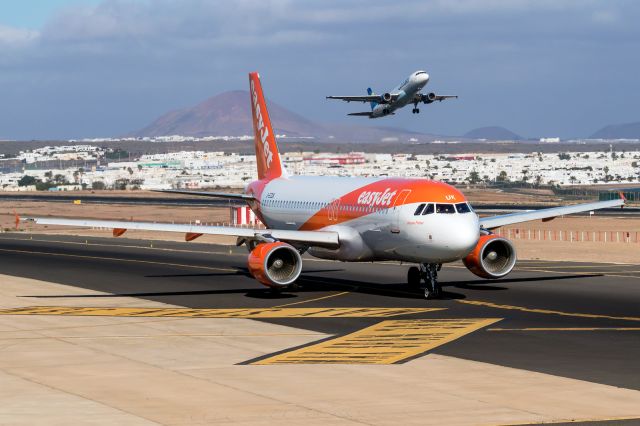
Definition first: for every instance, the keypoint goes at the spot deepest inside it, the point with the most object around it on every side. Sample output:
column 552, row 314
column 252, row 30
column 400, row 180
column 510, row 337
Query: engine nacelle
column 386, row 97
column 493, row 257
column 275, row 264
column 429, row 98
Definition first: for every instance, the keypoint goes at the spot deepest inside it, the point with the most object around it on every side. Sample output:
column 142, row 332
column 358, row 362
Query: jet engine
column 275, row 264
column 493, row 257
column 429, row 98
column 386, row 97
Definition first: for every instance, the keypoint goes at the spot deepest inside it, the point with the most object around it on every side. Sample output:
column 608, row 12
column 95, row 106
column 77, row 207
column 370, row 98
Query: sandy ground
column 60, row 370
column 548, row 250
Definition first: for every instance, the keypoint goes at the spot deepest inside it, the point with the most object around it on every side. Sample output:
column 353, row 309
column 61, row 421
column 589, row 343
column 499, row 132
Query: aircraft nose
column 424, row 77
column 466, row 234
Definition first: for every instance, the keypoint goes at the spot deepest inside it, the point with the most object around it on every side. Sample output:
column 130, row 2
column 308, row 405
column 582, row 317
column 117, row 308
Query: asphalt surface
column 578, row 320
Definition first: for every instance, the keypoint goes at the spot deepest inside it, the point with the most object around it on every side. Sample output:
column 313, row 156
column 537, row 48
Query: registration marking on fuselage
column 388, row 342
column 219, row 313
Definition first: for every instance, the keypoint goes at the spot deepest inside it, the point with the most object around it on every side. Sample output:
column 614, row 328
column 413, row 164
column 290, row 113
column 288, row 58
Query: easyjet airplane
column 419, row 221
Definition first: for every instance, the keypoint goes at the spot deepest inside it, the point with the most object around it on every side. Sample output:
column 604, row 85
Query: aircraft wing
column 443, row 97
column 314, row 238
column 526, row 216
column 366, row 98
column 432, row 97
column 363, row 114
column 228, row 195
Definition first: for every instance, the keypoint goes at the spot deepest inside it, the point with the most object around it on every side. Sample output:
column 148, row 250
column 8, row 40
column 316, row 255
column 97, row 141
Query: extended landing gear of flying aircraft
column 416, row 110
column 427, row 272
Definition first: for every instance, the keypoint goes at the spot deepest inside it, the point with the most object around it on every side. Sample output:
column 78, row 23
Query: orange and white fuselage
column 375, row 218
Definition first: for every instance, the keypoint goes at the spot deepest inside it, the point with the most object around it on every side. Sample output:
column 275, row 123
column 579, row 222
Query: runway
column 575, row 320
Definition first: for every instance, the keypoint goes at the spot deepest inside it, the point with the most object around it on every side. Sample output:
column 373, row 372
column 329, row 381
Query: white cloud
column 16, row 37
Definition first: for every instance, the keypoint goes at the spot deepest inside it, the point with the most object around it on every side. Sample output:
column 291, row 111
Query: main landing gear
column 415, row 109
column 427, row 272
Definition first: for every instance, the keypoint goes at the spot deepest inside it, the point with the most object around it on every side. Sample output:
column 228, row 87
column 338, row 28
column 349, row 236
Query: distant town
column 85, row 164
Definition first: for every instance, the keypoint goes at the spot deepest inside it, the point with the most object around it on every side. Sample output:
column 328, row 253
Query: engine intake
column 429, row 98
column 493, row 257
column 386, row 97
column 275, row 264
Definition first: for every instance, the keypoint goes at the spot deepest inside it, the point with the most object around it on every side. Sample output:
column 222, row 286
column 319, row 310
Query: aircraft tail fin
column 370, row 92
column 267, row 155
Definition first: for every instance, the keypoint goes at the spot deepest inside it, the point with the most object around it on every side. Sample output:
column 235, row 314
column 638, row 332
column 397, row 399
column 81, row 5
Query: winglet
column 623, row 198
column 17, row 220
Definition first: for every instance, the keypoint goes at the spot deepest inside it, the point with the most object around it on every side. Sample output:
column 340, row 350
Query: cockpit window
column 428, row 209
column 445, row 208
column 419, row 210
column 463, row 208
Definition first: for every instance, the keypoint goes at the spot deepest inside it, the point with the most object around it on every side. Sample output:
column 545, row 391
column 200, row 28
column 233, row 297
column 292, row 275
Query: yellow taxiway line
column 544, row 311
column 218, row 313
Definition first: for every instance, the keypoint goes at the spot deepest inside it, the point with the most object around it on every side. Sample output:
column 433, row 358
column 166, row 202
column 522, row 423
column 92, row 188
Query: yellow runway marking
column 567, row 329
column 219, row 313
column 313, row 300
column 387, row 342
column 544, row 311
column 149, row 262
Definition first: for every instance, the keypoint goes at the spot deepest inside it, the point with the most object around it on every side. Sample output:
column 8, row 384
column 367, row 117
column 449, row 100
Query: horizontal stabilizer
column 364, row 114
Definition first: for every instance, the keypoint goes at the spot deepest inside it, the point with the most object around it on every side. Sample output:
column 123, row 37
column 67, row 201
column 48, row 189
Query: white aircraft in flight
column 408, row 92
column 352, row 219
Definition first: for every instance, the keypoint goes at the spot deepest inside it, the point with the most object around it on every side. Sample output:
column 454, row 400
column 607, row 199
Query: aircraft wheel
column 428, row 294
column 414, row 277
column 417, row 110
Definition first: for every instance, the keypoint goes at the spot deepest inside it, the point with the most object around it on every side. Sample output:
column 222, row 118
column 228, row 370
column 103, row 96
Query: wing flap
column 511, row 218
column 320, row 238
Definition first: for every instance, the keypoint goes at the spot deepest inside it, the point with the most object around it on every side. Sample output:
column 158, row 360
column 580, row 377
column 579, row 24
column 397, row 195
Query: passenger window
column 419, row 209
column 463, row 208
column 428, row 209
column 445, row 208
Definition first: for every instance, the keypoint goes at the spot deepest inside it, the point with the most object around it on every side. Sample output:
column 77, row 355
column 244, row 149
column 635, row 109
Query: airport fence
column 570, row 236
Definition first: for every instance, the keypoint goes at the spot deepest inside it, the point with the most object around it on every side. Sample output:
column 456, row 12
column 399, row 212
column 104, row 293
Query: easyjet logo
column 263, row 131
column 373, row 198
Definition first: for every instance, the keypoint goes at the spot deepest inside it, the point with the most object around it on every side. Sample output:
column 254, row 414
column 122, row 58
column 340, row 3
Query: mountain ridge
column 229, row 114
column 492, row 133
column 618, row 131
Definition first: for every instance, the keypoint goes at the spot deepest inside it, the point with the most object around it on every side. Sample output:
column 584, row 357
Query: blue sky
column 105, row 67
column 34, row 13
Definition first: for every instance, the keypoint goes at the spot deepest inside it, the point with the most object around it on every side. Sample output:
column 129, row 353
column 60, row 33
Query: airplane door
column 396, row 211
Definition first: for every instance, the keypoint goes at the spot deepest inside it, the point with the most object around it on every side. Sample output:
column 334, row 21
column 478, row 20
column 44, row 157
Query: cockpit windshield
column 463, row 208
column 445, row 208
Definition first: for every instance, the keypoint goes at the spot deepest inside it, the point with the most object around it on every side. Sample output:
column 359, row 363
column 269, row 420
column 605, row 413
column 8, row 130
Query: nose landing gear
column 427, row 272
